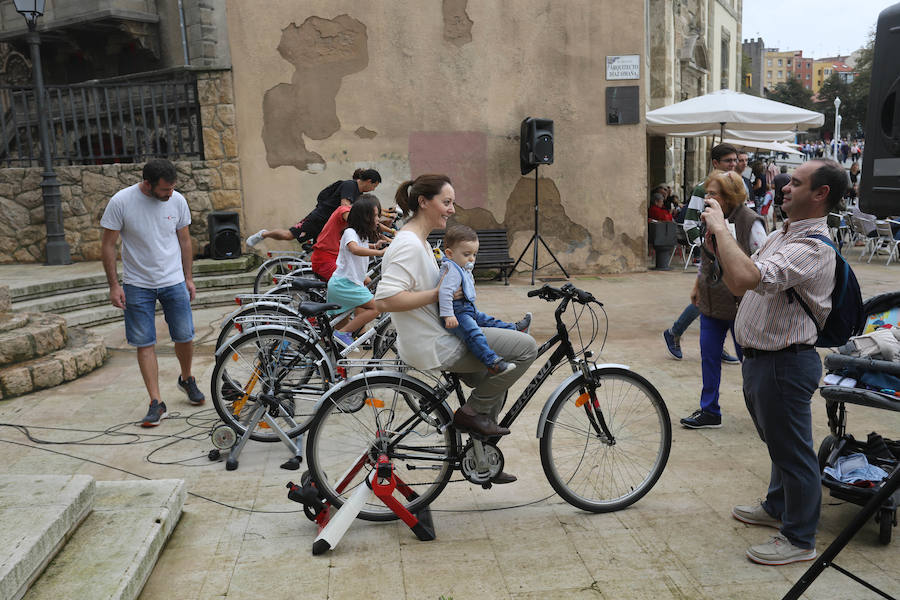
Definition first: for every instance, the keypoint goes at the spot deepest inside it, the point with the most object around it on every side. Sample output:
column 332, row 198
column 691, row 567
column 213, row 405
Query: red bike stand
column 382, row 481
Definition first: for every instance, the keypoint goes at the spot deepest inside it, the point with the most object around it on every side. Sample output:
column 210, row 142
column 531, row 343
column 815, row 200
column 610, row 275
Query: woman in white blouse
column 409, row 291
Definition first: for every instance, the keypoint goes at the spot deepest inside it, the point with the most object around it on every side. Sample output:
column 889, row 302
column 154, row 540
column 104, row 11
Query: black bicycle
column 605, row 431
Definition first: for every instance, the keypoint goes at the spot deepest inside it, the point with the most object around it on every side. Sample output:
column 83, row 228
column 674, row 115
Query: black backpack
column 847, row 317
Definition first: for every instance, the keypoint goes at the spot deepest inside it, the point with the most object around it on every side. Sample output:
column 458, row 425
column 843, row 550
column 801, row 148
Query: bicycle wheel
column 269, row 272
column 257, row 309
column 269, row 360
column 583, row 466
column 384, row 342
column 369, row 414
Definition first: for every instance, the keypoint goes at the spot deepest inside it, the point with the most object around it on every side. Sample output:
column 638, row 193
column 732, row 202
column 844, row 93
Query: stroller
column 881, row 379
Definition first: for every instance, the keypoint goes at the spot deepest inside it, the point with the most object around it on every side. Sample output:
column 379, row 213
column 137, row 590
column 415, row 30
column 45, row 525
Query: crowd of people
column 843, row 151
column 740, row 289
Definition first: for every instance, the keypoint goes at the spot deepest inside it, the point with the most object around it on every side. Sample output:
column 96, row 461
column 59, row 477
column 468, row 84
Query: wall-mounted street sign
column 627, row 66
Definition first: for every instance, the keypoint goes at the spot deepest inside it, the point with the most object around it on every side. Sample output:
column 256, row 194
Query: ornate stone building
column 694, row 48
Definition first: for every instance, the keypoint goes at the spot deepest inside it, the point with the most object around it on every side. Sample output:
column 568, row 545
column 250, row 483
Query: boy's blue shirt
column 455, row 277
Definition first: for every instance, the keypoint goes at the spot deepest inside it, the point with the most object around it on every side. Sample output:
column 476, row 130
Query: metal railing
column 97, row 122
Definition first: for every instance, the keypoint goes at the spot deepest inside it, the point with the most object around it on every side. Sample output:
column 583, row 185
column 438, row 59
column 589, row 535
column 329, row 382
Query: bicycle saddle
column 302, row 284
column 311, row 309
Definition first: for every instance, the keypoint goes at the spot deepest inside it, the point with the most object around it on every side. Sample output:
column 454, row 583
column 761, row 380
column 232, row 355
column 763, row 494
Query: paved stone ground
column 240, row 537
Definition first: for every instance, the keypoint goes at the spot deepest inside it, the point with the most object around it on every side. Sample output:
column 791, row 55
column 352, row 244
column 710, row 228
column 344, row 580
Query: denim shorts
column 140, row 313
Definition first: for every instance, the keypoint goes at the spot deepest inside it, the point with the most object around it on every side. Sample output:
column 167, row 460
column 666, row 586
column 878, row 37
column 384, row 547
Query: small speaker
column 224, row 235
column 535, row 143
column 879, row 192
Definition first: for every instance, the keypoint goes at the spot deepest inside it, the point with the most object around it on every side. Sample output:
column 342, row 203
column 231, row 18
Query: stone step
column 11, row 321
column 63, row 284
column 39, row 513
column 84, row 351
column 66, row 302
column 40, row 336
column 114, row 551
column 106, row 313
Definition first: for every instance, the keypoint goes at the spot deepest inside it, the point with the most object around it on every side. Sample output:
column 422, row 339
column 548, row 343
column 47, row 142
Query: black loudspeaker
column 224, row 235
column 535, row 143
column 879, row 192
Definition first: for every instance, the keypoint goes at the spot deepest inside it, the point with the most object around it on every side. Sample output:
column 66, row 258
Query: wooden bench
column 493, row 250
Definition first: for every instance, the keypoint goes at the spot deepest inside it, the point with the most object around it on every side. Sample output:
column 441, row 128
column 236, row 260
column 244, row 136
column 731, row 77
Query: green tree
column 792, row 92
column 835, row 87
column 858, row 103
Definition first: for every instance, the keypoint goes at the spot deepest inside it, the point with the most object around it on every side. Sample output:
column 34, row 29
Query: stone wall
column 211, row 184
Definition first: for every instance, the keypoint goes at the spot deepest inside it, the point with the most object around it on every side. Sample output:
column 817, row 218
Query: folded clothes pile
column 854, row 468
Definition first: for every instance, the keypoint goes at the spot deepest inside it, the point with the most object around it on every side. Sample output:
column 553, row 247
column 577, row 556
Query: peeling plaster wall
column 325, row 86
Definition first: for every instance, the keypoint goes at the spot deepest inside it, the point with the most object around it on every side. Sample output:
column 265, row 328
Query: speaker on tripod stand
column 536, row 148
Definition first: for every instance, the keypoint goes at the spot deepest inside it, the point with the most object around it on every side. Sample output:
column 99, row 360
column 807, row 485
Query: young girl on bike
column 347, row 285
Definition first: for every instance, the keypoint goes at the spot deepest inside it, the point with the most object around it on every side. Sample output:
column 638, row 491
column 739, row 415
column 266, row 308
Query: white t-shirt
column 349, row 265
column 151, row 255
column 422, row 341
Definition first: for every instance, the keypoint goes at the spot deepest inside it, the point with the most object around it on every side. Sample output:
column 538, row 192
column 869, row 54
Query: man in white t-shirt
column 152, row 220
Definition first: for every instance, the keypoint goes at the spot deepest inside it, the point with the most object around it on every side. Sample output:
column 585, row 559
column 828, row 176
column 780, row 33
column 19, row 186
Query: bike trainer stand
column 224, row 437
column 382, row 482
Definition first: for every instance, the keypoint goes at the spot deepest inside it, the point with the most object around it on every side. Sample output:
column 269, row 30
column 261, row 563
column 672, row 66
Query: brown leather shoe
column 503, row 477
column 477, row 423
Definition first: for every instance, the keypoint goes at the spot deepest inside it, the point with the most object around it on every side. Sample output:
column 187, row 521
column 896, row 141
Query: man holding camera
column 781, row 367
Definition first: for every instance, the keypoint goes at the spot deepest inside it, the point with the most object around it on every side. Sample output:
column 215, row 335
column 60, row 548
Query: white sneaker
column 256, row 237
column 779, row 551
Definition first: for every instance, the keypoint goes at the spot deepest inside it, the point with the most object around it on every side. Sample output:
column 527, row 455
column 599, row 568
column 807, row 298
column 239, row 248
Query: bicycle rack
column 265, row 402
column 381, row 482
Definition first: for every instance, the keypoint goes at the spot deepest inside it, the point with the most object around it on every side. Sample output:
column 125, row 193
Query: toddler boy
column 460, row 316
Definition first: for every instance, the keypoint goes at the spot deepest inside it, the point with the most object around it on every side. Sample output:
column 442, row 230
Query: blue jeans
column 712, row 343
column 140, row 313
column 778, row 390
column 471, row 320
column 685, row 319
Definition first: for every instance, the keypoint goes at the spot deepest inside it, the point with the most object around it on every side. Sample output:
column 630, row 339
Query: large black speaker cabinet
column 879, row 192
column 535, row 143
column 224, row 235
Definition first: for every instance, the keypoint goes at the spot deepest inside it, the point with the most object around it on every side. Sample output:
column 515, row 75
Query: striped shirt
column 766, row 319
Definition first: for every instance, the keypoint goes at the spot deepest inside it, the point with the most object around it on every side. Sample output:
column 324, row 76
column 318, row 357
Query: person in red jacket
column 656, row 211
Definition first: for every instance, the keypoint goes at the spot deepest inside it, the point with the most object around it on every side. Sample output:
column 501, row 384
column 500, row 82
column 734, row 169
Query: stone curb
column 39, row 513
column 84, row 352
column 114, row 551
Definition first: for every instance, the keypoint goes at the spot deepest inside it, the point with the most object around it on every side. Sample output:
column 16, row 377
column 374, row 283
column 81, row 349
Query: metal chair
column 683, row 244
column 860, row 232
column 885, row 239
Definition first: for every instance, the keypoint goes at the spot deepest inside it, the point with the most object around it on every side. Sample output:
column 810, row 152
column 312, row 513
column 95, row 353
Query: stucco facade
column 326, row 86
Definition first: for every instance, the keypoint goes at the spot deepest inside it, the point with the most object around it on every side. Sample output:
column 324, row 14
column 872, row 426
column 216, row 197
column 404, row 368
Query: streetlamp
column 837, row 126
column 57, row 247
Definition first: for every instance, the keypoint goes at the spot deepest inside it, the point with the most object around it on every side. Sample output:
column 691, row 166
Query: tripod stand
column 537, row 238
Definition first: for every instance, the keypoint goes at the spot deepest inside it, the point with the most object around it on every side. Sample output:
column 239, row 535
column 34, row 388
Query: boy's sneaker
column 501, row 366
column 256, row 237
column 673, row 344
column 525, row 324
column 729, row 359
column 755, row 515
column 779, row 551
column 156, row 414
column 189, row 387
column 344, row 337
column 701, row 419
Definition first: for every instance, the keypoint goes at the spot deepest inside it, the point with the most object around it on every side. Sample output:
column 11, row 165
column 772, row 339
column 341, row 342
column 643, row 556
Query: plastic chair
column 860, row 230
column 885, row 239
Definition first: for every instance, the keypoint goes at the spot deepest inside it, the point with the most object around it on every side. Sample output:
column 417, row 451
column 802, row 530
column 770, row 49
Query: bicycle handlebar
column 551, row 294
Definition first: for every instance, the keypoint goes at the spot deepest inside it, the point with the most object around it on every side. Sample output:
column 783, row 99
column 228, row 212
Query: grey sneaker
column 755, row 515
column 189, row 387
column 779, row 551
column 155, row 414
column 525, row 324
column 256, row 237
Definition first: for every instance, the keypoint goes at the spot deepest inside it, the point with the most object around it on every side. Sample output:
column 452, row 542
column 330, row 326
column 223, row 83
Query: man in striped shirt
column 781, row 368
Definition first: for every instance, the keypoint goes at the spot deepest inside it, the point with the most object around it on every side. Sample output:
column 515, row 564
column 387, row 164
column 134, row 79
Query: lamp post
column 57, row 247
column 837, row 126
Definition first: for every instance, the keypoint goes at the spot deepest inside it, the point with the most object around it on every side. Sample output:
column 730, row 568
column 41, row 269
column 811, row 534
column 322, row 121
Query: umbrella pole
column 721, row 132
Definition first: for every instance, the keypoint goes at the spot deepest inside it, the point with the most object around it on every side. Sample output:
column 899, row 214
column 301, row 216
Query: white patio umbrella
column 734, row 110
column 754, row 136
column 773, row 146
